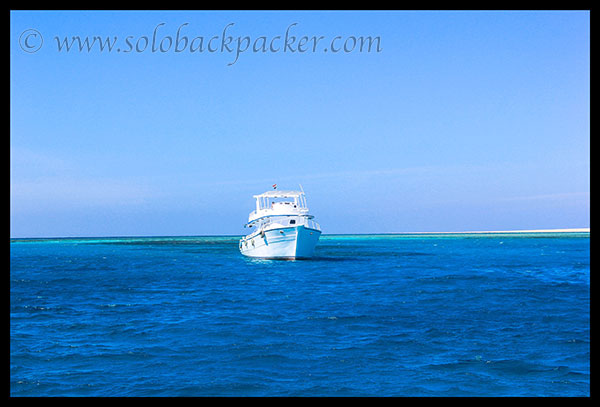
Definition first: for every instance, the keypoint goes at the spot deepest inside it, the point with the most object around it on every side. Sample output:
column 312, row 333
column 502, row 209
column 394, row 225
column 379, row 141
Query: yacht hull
column 281, row 243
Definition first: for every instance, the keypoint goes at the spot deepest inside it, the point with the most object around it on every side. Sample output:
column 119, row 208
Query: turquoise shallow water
column 370, row 315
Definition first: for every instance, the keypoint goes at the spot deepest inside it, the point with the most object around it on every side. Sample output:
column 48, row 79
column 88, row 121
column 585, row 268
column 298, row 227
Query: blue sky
column 462, row 121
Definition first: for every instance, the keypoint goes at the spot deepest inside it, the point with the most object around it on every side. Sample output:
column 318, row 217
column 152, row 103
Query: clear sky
column 459, row 121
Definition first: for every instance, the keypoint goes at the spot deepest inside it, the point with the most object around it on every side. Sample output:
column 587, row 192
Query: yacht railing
column 306, row 220
column 311, row 224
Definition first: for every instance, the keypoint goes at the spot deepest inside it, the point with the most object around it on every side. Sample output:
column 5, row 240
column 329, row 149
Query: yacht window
column 292, row 222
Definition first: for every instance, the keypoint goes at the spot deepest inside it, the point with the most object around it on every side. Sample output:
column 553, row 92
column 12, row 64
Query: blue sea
column 370, row 315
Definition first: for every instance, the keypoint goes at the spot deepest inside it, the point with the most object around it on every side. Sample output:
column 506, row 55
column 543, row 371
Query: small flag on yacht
column 274, row 186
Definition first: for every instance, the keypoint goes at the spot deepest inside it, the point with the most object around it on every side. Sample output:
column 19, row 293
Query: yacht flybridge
column 283, row 228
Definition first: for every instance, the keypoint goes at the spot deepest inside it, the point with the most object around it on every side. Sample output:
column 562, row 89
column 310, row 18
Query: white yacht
column 283, row 228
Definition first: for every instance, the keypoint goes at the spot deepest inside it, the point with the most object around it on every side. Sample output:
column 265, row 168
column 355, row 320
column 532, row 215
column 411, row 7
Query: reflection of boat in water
column 283, row 227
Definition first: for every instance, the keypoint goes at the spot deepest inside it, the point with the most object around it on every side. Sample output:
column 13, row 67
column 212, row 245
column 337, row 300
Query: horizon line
column 560, row 230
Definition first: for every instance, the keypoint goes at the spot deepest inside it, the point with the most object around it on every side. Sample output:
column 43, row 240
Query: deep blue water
column 396, row 315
